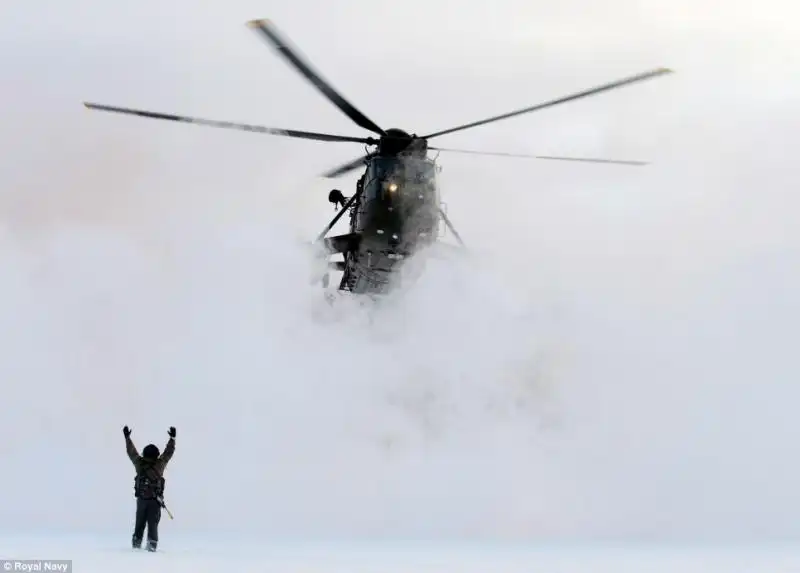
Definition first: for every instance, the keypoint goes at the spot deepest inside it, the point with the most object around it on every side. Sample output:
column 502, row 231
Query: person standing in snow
column 148, row 487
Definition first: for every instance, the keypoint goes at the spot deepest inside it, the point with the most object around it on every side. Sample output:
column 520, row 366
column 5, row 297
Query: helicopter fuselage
column 394, row 214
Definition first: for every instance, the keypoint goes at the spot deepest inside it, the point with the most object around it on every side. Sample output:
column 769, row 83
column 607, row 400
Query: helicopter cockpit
column 402, row 179
column 400, row 197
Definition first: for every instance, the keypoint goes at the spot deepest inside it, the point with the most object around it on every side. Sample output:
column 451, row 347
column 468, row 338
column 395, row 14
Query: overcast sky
column 422, row 66
column 675, row 284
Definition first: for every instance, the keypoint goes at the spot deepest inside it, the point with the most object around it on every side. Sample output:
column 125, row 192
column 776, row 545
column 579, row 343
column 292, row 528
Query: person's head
column 150, row 452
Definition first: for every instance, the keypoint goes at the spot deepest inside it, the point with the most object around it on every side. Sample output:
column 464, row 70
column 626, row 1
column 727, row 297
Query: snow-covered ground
column 188, row 555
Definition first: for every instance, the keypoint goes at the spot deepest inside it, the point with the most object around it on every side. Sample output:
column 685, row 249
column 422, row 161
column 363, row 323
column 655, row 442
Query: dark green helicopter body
column 394, row 213
column 396, row 209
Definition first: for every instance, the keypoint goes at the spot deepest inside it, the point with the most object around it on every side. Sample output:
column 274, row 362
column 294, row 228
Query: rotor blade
column 229, row 125
column 527, row 156
column 347, row 167
column 586, row 93
column 269, row 31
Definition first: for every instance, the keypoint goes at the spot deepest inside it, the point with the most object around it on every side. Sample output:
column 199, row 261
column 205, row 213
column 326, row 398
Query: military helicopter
column 395, row 210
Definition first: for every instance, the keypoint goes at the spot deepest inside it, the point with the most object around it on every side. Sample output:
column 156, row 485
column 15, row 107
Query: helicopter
column 395, row 210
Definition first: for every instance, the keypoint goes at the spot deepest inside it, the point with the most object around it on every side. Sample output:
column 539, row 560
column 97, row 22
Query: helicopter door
column 371, row 194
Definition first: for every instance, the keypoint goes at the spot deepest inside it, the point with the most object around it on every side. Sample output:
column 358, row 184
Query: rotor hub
column 397, row 141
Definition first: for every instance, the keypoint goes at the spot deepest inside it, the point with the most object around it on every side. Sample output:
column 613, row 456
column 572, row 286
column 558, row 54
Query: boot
column 136, row 542
column 152, row 545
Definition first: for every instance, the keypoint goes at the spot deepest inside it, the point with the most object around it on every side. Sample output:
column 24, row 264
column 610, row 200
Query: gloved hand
column 126, row 431
column 171, row 431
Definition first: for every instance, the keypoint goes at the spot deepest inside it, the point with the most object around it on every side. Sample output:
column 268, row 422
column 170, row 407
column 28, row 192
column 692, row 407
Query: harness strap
column 144, row 484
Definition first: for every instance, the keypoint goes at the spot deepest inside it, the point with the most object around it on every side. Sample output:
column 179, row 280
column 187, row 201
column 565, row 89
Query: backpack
column 147, row 484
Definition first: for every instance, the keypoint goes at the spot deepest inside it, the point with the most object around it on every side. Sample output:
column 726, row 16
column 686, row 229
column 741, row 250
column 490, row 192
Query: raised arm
column 169, row 449
column 133, row 455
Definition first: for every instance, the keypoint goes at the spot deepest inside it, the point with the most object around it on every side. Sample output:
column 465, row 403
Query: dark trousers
column 148, row 514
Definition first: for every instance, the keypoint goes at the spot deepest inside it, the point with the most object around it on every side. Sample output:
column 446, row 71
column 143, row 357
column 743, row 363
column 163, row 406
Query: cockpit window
column 410, row 169
column 403, row 177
